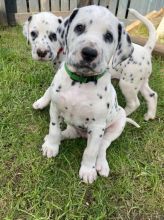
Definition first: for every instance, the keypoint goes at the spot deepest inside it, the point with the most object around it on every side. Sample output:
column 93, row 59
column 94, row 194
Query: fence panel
column 55, row 5
column 113, row 5
column 44, row 5
column 15, row 11
column 64, row 5
column 33, row 5
column 21, row 6
column 3, row 16
column 73, row 4
column 122, row 8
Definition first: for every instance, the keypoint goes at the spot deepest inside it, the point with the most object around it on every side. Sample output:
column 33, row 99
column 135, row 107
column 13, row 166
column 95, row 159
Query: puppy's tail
column 150, row 44
column 129, row 120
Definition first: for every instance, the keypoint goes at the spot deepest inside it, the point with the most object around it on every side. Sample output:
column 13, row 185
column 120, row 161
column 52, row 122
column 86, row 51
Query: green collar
column 83, row 79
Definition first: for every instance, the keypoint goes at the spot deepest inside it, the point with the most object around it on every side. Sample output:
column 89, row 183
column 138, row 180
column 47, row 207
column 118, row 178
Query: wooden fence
column 17, row 11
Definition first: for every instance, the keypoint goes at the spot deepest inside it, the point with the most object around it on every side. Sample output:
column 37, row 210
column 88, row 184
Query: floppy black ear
column 124, row 47
column 63, row 29
column 26, row 28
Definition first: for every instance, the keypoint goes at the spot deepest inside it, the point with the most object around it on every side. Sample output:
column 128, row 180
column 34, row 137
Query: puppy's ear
column 26, row 28
column 63, row 29
column 124, row 46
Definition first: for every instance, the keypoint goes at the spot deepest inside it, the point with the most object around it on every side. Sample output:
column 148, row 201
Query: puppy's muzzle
column 88, row 54
column 42, row 53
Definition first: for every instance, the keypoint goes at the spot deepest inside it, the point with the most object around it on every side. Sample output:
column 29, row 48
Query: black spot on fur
column 29, row 19
column 128, row 39
column 93, row 119
column 100, row 136
column 152, row 94
column 89, row 132
column 62, row 35
column 65, row 23
column 119, row 52
column 107, row 104
column 59, row 30
column 95, row 82
column 119, row 32
column 87, row 119
column 73, row 83
column 119, row 46
column 106, row 88
column 59, row 20
column 53, row 123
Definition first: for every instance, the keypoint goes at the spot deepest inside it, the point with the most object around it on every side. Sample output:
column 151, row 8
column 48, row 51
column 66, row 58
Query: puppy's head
column 92, row 36
column 40, row 31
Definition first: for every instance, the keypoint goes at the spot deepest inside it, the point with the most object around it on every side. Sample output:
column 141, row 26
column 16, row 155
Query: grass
column 34, row 187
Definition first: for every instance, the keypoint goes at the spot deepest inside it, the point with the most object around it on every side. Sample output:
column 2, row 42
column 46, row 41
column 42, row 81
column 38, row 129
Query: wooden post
column 158, row 50
column 3, row 16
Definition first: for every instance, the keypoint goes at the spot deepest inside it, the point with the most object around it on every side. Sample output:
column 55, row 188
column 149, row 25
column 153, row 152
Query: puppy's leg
column 69, row 133
column 50, row 147
column 151, row 99
column 43, row 101
column 130, row 92
column 88, row 170
column 111, row 133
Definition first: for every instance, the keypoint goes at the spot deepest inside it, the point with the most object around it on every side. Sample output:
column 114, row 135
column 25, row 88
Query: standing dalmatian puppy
column 81, row 91
column 133, row 73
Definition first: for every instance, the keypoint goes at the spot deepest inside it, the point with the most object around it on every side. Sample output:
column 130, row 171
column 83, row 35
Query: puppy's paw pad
column 102, row 168
column 50, row 150
column 88, row 175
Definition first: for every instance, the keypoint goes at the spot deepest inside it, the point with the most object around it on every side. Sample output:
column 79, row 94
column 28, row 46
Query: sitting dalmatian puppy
column 40, row 31
column 133, row 73
column 81, row 91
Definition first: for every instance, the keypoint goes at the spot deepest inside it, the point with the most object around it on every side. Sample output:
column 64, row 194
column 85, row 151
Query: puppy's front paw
column 88, row 175
column 102, row 167
column 49, row 149
column 39, row 104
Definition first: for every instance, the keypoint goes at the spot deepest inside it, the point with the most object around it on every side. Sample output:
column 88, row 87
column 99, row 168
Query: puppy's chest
column 81, row 103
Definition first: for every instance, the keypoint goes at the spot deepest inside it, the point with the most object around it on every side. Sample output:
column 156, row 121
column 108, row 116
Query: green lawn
column 34, row 187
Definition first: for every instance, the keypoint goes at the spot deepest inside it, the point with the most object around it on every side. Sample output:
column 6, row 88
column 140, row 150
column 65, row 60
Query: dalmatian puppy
column 40, row 30
column 81, row 91
column 133, row 74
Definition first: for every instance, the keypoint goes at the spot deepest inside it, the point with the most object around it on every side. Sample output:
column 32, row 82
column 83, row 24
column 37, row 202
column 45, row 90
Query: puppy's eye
column 53, row 37
column 34, row 34
column 79, row 29
column 108, row 37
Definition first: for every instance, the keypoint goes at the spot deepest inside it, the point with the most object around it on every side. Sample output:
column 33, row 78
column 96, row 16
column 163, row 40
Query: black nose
column 88, row 54
column 42, row 53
